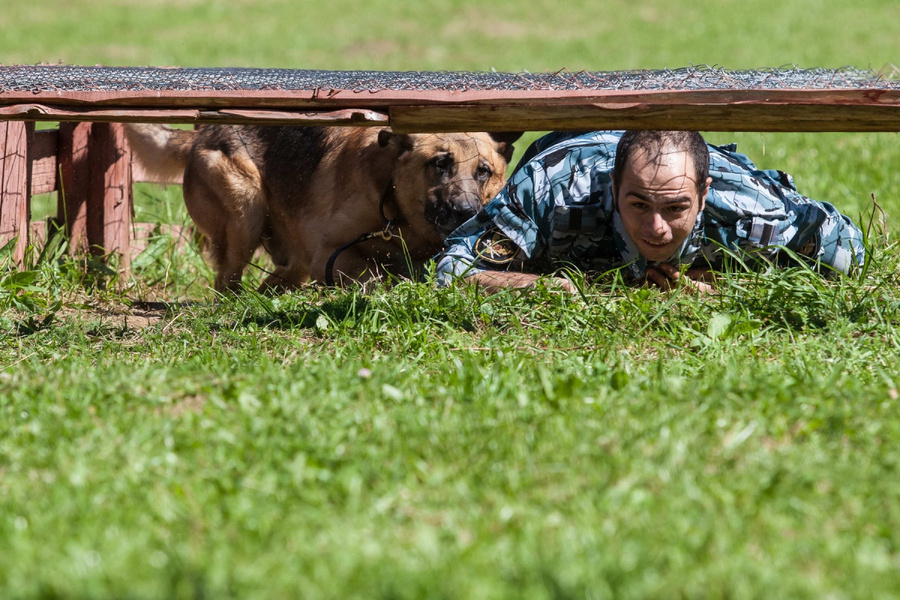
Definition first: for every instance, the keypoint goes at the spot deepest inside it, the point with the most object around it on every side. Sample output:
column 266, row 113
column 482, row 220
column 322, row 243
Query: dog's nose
column 466, row 207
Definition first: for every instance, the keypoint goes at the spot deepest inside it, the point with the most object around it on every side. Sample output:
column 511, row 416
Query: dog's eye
column 444, row 162
column 484, row 172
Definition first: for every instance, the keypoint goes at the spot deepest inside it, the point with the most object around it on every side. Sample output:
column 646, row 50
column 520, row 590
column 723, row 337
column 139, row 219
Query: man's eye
column 677, row 210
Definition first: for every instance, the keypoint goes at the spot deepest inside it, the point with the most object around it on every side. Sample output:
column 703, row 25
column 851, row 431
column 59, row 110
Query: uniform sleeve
column 509, row 230
column 762, row 211
column 822, row 234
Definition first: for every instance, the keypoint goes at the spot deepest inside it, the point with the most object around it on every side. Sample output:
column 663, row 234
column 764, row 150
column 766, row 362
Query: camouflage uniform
column 557, row 210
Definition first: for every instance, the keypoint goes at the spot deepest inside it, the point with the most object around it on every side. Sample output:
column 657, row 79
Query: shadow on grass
column 306, row 316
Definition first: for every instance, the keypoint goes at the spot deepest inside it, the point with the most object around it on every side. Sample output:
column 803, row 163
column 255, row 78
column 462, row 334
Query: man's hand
column 668, row 277
column 494, row 281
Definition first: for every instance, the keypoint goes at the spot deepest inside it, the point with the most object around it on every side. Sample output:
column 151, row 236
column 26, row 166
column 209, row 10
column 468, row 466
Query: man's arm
column 763, row 209
column 494, row 281
column 694, row 279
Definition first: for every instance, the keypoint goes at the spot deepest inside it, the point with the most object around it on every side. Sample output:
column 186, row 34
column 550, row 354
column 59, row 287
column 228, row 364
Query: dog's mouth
column 447, row 215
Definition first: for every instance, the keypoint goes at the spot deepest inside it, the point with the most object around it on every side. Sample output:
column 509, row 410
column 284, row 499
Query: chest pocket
column 574, row 220
column 758, row 232
column 576, row 227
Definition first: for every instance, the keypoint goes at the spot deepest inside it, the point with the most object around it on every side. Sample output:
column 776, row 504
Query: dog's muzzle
column 447, row 215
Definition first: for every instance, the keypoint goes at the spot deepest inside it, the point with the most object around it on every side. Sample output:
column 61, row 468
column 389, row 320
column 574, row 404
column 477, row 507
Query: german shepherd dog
column 329, row 204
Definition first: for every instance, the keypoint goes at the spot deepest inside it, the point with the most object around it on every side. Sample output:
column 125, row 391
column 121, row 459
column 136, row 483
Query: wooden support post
column 75, row 183
column 15, row 184
column 110, row 204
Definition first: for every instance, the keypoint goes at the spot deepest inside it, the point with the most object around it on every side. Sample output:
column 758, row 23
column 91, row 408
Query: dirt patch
column 188, row 404
column 138, row 316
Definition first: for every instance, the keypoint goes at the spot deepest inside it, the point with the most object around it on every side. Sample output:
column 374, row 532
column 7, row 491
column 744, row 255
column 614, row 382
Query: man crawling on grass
column 663, row 206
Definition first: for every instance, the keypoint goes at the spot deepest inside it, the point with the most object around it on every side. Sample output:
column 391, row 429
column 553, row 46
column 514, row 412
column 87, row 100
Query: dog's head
column 443, row 179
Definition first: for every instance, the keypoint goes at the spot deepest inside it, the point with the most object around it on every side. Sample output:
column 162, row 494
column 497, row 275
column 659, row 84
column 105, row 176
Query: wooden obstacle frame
column 88, row 162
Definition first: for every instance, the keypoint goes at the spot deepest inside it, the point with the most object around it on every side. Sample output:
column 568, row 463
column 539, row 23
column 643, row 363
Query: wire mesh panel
column 67, row 79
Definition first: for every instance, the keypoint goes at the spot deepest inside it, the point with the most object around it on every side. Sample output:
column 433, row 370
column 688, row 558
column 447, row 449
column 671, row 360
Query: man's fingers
column 655, row 277
column 668, row 277
column 566, row 285
column 701, row 274
column 669, row 271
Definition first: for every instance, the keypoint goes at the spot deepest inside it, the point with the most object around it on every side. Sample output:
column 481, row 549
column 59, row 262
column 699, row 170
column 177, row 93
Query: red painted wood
column 75, row 182
column 15, row 184
column 336, row 99
column 706, row 111
column 702, row 117
column 42, row 154
column 110, row 204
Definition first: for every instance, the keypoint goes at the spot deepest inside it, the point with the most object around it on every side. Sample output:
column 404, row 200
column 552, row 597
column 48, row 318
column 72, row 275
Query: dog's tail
column 161, row 150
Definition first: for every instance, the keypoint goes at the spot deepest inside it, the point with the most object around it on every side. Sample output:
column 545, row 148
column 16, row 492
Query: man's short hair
column 652, row 141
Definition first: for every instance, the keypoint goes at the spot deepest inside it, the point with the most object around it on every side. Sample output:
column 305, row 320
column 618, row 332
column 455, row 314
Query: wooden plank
column 39, row 112
column 319, row 99
column 110, row 205
column 704, row 117
column 15, row 185
column 74, row 141
column 42, row 154
column 731, row 112
column 63, row 112
column 283, row 117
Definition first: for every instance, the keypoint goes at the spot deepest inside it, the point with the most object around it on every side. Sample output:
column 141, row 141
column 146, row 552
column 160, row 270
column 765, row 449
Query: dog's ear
column 400, row 141
column 505, row 141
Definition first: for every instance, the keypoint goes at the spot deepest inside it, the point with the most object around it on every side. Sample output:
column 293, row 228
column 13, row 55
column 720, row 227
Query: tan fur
column 241, row 199
column 163, row 151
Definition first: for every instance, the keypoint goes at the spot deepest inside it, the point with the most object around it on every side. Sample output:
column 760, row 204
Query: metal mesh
column 44, row 78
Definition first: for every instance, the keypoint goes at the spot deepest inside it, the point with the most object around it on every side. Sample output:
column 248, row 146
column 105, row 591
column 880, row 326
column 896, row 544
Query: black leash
column 384, row 234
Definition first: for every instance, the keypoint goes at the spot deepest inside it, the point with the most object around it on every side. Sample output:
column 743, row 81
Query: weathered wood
column 284, row 117
column 110, row 204
column 705, row 117
column 37, row 112
column 658, row 113
column 75, row 182
column 15, row 184
column 42, row 154
column 337, row 99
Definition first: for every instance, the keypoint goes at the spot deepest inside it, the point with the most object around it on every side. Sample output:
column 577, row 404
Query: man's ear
column 400, row 141
column 505, row 141
column 705, row 193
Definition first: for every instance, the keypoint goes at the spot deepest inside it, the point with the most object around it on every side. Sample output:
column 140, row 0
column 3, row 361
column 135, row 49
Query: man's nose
column 657, row 224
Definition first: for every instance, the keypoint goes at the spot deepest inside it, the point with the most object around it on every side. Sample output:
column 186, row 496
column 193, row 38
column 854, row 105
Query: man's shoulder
column 559, row 144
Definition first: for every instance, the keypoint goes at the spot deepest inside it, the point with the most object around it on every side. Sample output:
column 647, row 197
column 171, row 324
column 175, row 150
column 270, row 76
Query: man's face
column 658, row 201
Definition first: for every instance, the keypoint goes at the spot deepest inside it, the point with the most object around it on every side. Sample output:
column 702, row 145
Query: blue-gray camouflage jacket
column 557, row 210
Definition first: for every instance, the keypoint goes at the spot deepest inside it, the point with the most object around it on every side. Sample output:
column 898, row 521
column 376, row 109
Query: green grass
column 409, row 442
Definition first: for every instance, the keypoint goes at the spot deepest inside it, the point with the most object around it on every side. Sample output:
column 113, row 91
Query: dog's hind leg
column 224, row 197
column 241, row 241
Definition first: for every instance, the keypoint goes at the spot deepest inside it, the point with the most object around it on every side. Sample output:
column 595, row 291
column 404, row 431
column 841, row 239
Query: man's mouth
column 656, row 244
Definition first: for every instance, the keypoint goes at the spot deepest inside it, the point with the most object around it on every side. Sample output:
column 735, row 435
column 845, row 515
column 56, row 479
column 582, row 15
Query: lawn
column 409, row 442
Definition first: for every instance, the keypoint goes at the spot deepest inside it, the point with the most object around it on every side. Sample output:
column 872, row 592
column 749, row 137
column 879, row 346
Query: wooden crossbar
column 431, row 111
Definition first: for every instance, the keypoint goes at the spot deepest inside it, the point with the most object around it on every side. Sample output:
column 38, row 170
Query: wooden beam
column 43, row 161
column 41, row 112
column 110, row 203
column 75, row 182
column 705, row 117
column 319, row 100
column 747, row 110
column 15, row 185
